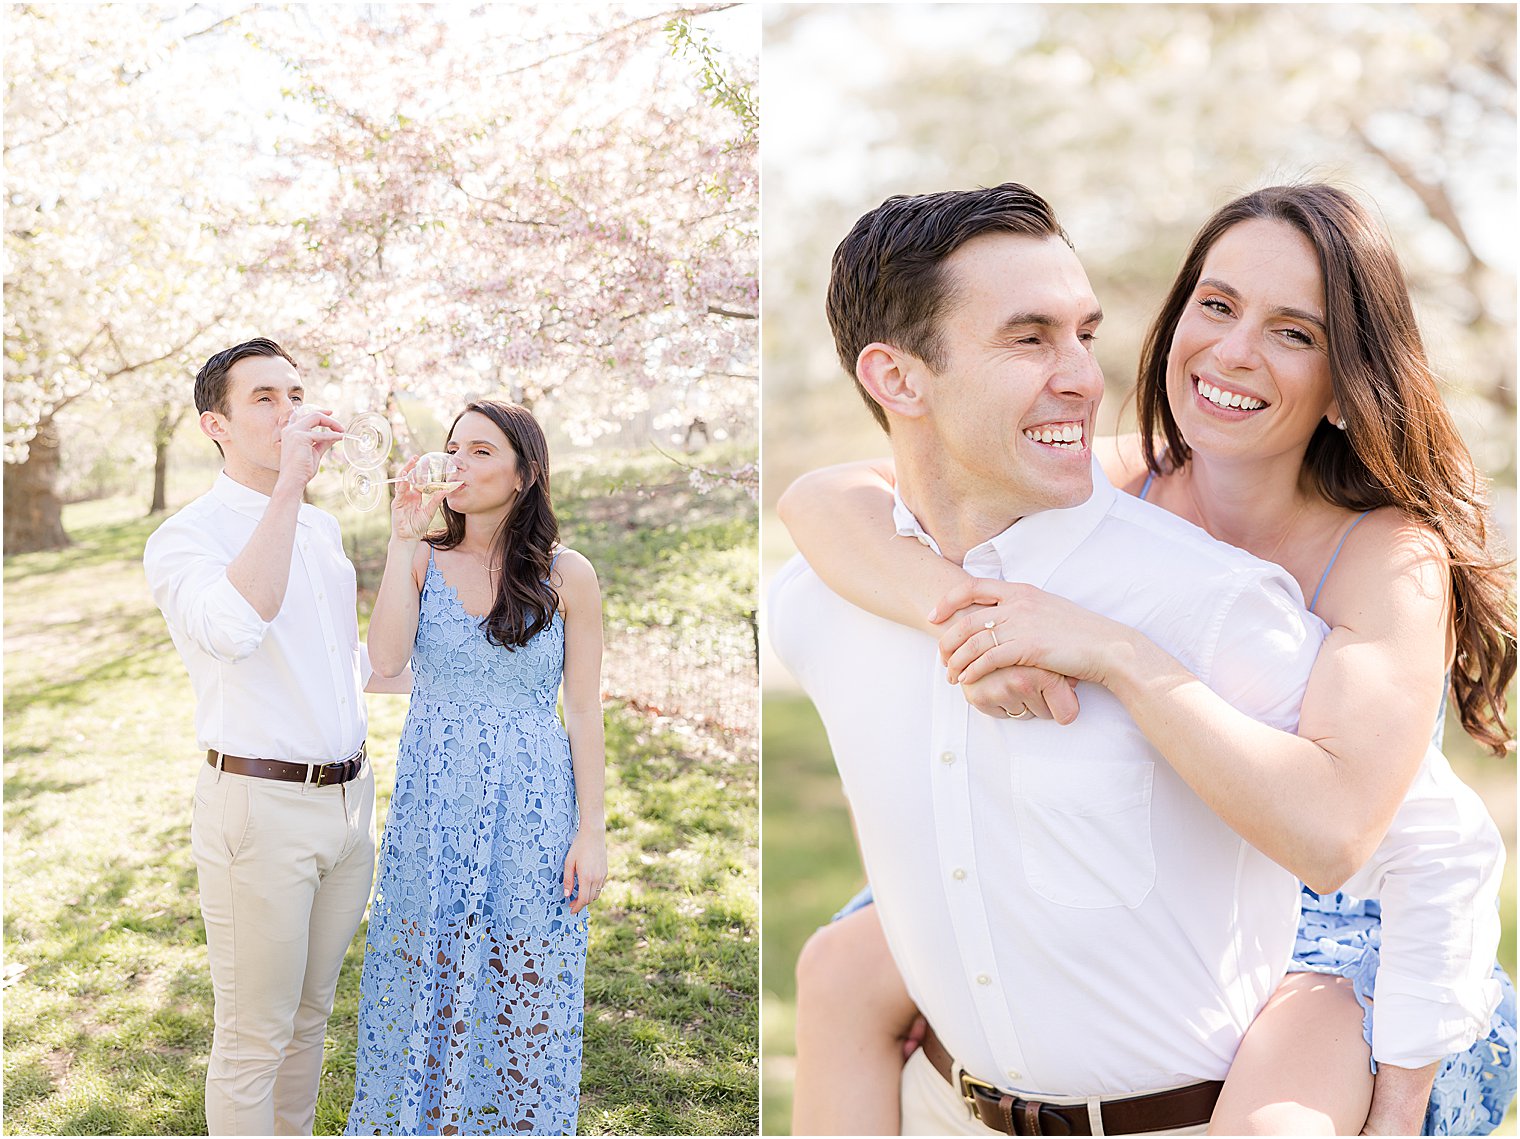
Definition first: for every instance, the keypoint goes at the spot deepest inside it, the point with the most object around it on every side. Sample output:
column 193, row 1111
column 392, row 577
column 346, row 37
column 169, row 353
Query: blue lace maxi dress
column 471, row 1007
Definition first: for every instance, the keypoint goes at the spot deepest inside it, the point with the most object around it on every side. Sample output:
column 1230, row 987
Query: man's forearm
column 1399, row 1099
column 262, row 571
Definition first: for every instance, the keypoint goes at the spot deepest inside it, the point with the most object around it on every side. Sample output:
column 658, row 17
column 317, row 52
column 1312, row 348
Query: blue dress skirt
column 470, row 1006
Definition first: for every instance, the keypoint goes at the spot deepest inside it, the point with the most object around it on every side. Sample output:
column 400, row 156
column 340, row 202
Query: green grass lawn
column 812, row 867
column 107, row 996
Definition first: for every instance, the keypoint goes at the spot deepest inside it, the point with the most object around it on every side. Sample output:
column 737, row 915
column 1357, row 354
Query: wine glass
column 434, row 471
column 367, row 440
column 366, row 443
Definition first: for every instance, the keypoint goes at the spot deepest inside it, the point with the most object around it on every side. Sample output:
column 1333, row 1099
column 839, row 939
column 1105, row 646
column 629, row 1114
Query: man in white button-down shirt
column 1077, row 926
column 260, row 601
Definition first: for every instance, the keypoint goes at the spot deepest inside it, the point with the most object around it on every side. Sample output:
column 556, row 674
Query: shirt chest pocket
column 1085, row 829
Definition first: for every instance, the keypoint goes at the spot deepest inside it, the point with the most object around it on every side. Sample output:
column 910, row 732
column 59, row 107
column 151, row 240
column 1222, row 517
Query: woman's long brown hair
column 1400, row 447
column 524, row 544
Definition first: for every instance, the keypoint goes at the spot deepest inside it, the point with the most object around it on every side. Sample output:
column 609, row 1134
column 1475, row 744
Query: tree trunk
column 160, row 477
column 163, row 434
column 33, row 511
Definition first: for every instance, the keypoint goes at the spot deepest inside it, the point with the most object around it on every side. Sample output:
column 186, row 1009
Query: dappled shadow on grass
column 107, row 1029
column 670, row 1040
column 671, row 1000
column 94, row 546
column 18, row 788
column 76, row 689
column 22, row 794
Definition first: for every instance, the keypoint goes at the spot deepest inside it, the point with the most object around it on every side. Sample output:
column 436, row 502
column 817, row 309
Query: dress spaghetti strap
column 1150, row 477
column 1326, row 575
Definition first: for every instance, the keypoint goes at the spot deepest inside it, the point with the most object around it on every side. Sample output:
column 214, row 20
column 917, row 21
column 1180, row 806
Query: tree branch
column 1432, row 196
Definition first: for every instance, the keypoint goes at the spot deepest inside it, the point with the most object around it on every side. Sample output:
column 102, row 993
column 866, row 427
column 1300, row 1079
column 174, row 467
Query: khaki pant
column 285, row 871
column 930, row 1106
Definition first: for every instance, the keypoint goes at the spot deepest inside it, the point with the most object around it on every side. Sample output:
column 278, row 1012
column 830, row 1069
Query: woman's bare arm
column 841, row 520
column 581, row 596
column 1318, row 802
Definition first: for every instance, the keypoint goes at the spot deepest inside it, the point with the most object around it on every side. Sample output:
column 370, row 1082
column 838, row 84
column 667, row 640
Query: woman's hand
column 1028, row 627
column 411, row 510
column 586, row 865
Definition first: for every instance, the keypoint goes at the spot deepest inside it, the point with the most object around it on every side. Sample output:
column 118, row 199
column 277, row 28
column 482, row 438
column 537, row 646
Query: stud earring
column 1340, row 424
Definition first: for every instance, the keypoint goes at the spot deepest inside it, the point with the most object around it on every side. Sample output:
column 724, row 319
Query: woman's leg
column 1302, row 1068
column 853, row 1014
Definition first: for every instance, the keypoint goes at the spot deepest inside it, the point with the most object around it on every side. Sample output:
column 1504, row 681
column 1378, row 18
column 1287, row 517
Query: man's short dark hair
column 211, row 380
column 888, row 284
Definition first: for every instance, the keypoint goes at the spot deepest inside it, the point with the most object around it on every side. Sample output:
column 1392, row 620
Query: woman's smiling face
column 1249, row 368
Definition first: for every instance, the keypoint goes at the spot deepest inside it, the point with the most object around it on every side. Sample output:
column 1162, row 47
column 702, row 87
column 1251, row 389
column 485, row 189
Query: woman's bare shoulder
column 573, row 569
column 420, row 558
column 1388, row 565
column 1122, row 460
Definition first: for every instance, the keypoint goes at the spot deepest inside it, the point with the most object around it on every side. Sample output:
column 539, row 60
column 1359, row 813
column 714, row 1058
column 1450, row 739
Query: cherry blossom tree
column 566, row 216
column 124, row 248
column 558, row 204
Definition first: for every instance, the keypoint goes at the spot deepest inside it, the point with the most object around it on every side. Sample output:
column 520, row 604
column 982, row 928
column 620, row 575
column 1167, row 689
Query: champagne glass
column 435, row 471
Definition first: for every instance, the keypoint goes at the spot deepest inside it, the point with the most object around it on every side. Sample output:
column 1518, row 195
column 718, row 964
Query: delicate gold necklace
column 483, row 565
column 1283, row 537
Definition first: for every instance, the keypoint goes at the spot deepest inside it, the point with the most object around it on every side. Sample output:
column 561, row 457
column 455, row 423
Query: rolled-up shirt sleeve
column 189, row 585
column 1264, row 646
column 1436, row 875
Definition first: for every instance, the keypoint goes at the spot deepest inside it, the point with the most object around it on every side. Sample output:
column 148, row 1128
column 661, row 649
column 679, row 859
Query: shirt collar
column 1031, row 549
column 249, row 502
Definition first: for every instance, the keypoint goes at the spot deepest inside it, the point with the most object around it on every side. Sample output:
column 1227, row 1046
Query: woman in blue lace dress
column 1286, row 407
column 471, row 1010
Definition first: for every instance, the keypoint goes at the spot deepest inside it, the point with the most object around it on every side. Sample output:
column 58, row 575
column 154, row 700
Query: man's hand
column 1018, row 690
column 307, row 436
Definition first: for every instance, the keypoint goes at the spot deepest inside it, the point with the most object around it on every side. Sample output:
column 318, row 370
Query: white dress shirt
column 1437, row 873
column 1066, row 912
column 283, row 689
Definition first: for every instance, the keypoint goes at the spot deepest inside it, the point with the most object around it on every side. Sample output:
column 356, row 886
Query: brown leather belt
column 320, row 774
column 1160, row 1111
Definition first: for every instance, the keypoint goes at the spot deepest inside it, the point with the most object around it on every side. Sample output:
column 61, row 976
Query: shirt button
column 1015, row 1074
column 959, row 875
column 983, row 979
column 947, row 757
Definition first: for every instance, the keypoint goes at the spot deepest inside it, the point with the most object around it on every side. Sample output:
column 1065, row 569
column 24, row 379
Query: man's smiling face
column 1014, row 403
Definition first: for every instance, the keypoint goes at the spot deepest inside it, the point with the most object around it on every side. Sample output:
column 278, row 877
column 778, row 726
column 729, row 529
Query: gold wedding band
column 1025, row 714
